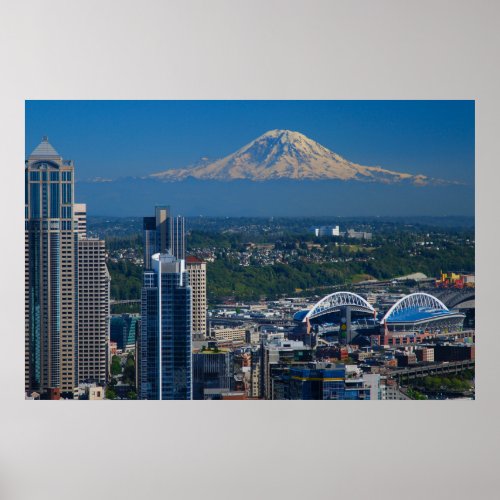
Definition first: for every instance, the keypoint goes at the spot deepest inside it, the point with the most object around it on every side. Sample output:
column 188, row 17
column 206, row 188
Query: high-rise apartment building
column 164, row 347
column 163, row 233
column 197, row 271
column 93, row 303
column 93, row 311
column 51, row 288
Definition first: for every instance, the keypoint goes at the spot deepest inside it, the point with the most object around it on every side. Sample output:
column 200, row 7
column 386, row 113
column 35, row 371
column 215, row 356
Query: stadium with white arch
column 416, row 313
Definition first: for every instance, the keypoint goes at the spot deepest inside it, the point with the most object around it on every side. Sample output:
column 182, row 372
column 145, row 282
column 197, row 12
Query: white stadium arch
column 335, row 301
column 419, row 300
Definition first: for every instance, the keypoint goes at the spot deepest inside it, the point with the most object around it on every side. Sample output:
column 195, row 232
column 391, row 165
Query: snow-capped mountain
column 283, row 154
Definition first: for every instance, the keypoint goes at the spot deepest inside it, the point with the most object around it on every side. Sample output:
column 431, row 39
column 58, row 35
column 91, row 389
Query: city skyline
column 368, row 318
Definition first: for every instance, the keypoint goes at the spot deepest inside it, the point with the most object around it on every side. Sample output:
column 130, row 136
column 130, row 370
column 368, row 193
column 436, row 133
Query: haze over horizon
column 337, row 146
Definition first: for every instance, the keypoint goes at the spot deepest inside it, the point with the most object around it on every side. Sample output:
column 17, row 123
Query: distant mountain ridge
column 284, row 154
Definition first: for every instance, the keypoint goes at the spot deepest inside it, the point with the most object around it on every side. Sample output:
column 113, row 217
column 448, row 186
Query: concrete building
column 406, row 358
column 360, row 235
column 454, row 352
column 252, row 335
column 96, row 393
column 425, row 354
column 93, row 311
column 327, row 231
column 229, row 334
column 80, row 218
column 197, row 272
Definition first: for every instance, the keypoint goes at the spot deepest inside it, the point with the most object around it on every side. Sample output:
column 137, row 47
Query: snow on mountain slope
column 283, row 154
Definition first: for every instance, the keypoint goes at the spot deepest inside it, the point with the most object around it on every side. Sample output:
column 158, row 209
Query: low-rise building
column 237, row 334
column 425, row 354
column 454, row 352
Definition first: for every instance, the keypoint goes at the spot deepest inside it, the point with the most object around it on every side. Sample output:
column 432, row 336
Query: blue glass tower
column 164, row 357
column 163, row 233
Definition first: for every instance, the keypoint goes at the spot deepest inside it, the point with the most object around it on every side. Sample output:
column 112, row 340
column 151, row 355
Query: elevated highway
column 442, row 368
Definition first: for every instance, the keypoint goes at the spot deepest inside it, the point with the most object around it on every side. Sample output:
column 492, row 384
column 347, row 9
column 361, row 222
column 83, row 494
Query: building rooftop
column 191, row 259
column 45, row 150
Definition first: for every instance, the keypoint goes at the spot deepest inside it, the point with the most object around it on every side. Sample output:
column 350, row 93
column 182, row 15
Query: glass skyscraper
column 163, row 233
column 164, row 357
column 66, row 282
column 51, row 287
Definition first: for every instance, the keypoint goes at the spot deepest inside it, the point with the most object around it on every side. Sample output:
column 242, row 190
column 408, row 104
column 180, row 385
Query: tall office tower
column 93, row 311
column 197, row 271
column 163, row 233
column 80, row 216
column 164, row 357
column 50, row 272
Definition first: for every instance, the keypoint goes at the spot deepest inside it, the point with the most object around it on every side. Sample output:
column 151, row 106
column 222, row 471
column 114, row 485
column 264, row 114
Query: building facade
column 80, row 218
column 93, row 311
column 124, row 330
column 67, row 283
column 164, row 347
column 221, row 334
column 163, row 233
column 212, row 373
column 51, row 287
column 197, row 271
column 322, row 382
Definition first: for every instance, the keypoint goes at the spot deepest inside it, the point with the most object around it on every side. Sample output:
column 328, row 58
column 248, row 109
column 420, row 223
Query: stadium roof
column 417, row 314
column 416, row 307
column 300, row 315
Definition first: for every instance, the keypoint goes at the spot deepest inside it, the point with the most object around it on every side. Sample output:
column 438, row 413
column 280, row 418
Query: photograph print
column 250, row 250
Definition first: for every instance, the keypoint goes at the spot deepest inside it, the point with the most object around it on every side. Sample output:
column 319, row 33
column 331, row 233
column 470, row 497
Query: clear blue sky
column 122, row 138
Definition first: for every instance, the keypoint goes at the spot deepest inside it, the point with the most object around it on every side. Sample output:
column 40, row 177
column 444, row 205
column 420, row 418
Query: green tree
column 129, row 371
column 110, row 393
column 116, row 366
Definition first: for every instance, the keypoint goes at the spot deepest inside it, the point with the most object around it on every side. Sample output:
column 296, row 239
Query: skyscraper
column 93, row 303
column 163, row 233
column 164, row 357
column 51, row 289
column 67, row 282
column 197, row 271
column 93, row 311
